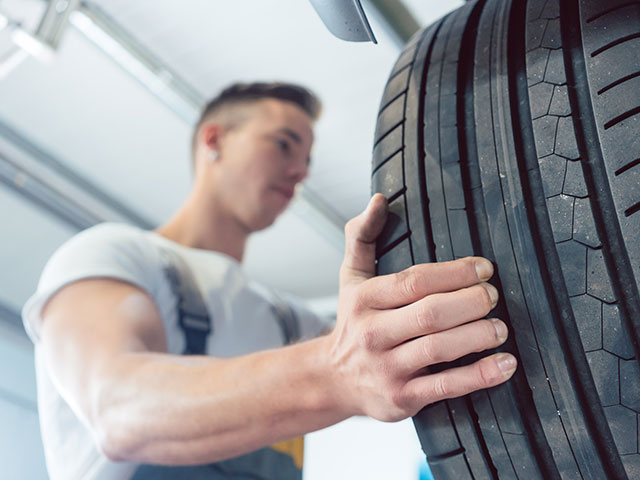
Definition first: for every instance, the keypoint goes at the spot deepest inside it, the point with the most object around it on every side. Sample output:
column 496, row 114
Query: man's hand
column 391, row 327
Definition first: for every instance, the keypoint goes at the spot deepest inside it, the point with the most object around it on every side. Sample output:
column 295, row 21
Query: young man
column 114, row 391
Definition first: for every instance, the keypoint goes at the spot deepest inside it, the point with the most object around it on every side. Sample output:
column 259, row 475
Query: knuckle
column 398, row 398
column 485, row 374
column 359, row 301
column 441, row 387
column 429, row 350
column 370, row 338
column 409, row 283
column 351, row 226
column 426, row 316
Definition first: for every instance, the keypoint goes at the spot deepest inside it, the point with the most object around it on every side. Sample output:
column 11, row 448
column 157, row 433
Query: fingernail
column 484, row 269
column 506, row 363
column 493, row 293
column 501, row 329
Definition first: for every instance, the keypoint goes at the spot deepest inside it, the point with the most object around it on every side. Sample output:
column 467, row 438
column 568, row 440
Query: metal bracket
column 345, row 19
column 43, row 43
column 55, row 21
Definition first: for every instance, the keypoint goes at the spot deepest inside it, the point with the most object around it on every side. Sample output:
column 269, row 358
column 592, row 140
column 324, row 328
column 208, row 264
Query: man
column 114, row 391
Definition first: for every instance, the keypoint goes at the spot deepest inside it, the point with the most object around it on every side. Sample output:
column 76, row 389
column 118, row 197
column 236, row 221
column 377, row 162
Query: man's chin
column 266, row 218
column 262, row 223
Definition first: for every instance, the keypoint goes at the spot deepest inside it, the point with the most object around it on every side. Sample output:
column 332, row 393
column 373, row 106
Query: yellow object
column 294, row 448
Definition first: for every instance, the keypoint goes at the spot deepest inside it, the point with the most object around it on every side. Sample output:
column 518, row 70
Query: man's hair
column 238, row 95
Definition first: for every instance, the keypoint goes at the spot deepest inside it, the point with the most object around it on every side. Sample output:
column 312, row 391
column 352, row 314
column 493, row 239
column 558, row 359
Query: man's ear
column 210, row 135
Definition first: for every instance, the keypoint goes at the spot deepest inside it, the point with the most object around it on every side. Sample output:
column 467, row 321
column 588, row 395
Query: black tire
column 511, row 130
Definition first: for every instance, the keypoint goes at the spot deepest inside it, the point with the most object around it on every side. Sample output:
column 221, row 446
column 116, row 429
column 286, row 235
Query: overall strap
column 287, row 319
column 193, row 316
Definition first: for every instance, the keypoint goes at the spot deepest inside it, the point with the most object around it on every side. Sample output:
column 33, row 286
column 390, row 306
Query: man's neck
column 216, row 232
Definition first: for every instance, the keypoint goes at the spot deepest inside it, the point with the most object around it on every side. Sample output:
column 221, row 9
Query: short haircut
column 242, row 94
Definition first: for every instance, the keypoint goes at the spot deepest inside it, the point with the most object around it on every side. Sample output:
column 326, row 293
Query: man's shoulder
column 110, row 231
column 103, row 239
column 106, row 250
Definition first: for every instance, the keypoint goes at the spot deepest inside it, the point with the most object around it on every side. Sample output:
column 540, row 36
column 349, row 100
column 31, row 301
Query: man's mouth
column 288, row 192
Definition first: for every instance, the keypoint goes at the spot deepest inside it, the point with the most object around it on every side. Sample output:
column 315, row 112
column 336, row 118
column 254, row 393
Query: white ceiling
column 24, row 250
column 102, row 123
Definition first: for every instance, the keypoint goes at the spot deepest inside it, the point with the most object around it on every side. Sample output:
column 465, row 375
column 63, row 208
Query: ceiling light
column 32, row 45
column 11, row 61
column 156, row 81
column 4, row 21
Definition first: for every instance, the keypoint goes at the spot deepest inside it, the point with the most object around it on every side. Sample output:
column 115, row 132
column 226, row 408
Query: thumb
column 361, row 233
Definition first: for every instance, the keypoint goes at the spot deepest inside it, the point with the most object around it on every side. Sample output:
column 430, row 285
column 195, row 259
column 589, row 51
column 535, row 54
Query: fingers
column 434, row 313
column 415, row 283
column 487, row 372
column 361, row 233
column 449, row 345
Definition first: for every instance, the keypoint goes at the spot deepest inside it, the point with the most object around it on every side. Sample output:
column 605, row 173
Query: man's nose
column 299, row 170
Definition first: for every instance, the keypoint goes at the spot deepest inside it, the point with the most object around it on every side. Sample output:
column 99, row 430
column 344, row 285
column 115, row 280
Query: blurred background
column 97, row 102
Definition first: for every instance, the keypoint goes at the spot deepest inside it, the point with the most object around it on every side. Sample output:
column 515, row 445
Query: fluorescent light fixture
column 157, row 82
column 4, row 21
column 11, row 61
column 14, row 56
column 32, row 45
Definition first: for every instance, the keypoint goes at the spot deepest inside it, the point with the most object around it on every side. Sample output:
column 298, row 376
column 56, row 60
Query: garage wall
column 21, row 453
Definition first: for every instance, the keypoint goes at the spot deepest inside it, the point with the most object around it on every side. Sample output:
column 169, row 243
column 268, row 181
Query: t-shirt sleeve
column 105, row 251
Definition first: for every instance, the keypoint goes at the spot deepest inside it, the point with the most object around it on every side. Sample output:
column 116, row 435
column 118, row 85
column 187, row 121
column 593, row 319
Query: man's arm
column 105, row 347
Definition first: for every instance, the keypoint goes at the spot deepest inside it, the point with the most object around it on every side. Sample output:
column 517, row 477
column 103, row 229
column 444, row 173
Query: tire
column 511, row 130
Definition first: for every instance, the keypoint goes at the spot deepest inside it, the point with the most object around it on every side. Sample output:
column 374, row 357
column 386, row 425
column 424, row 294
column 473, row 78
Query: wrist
column 339, row 379
column 329, row 392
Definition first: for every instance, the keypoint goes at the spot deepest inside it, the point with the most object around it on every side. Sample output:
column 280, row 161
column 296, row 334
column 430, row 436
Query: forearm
column 159, row 408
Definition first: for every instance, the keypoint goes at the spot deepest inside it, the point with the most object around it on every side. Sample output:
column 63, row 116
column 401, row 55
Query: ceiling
column 122, row 134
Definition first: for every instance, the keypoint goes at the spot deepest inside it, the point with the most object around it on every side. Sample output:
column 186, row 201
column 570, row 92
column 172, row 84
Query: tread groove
column 610, row 45
column 384, row 107
column 612, row 9
column 421, row 151
column 389, row 157
column 445, row 456
column 467, row 147
column 628, row 166
column 395, row 74
column 388, row 132
column 393, row 244
column 397, row 195
column 618, row 82
column 624, row 116
column 631, row 210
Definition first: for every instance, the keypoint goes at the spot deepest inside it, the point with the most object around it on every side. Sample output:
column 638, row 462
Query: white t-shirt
column 241, row 314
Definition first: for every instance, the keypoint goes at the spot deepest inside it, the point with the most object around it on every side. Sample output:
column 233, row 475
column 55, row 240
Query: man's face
column 262, row 160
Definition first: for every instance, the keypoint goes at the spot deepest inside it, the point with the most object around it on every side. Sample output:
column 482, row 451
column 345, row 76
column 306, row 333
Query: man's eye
column 283, row 145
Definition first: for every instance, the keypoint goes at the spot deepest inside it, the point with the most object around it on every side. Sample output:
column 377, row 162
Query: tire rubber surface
column 510, row 129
